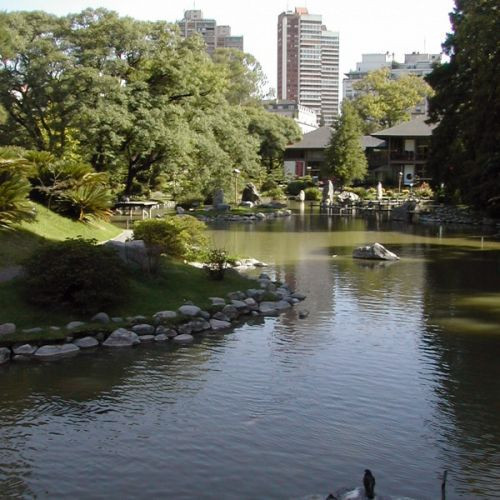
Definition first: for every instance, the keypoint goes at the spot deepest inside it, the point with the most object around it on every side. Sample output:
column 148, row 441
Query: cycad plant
column 14, row 189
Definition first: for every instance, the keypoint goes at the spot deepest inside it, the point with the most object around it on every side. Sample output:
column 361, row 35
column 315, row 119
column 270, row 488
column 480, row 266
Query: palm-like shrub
column 14, row 189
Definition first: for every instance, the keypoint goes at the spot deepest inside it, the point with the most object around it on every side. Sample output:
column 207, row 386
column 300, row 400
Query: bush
column 216, row 263
column 77, row 274
column 360, row 191
column 424, row 191
column 269, row 185
column 301, row 184
column 180, row 237
column 312, row 194
column 276, row 194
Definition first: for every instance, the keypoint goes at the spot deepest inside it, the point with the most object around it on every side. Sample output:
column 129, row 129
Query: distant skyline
column 365, row 26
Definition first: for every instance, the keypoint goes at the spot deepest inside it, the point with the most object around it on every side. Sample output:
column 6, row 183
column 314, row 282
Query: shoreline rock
column 376, row 251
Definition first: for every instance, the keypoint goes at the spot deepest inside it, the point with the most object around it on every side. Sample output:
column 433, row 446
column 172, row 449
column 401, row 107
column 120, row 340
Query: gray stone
column 298, row 296
column 74, row 324
column 69, row 339
column 161, row 316
column 184, row 338
column 250, row 193
column 217, row 324
column 54, row 328
column 240, row 305
column 303, row 314
column 247, row 204
column 264, row 276
column 230, row 311
column 86, row 342
column 251, row 303
column 218, row 197
column 217, row 301
column 122, row 338
column 51, row 352
column 131, row 252
column 185, row 329
column 283, row 305
column 198, row 325
column 220, row 316
column 163, row 330
column 222, row 207
column 143, row 329
column 146, row 338
column 346, row 197
column 101, row 317
column 4, row 355
column 260, row 215
column 236, row 295
column 161, row 337
column 205, row 314
column 117, row 319
column 24, row 350
column 267, row 308
column 37, row 329
column 7, row 329
column 100, row 336
column 376, row 251
column 189, row 310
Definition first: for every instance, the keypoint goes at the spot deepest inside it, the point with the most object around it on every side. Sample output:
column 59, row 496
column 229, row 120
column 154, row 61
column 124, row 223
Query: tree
column 274, row 133
column 14, row 188
column 465, row 151
column 383, row 101
column 345, row 156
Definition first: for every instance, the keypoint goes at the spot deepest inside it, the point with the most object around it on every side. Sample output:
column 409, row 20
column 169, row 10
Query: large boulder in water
column 374, row 252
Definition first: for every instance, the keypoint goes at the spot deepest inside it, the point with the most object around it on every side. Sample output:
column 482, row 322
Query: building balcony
column 407, row 156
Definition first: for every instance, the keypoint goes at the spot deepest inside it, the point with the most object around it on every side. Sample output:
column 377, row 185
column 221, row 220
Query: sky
column 365, row 26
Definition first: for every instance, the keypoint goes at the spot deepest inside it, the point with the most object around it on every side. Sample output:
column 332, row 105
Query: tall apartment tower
column 214, row 36
column 308, row 63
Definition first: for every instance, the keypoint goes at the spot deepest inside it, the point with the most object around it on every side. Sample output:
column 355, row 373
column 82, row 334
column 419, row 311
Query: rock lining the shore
column 189, row 320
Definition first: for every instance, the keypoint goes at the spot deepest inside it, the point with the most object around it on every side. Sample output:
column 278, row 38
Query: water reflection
column 374, row 377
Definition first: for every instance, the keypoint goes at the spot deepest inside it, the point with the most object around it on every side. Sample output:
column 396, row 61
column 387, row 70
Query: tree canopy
column 383, row 101
column 466, row 106
column 135, row 100
column 345, row 156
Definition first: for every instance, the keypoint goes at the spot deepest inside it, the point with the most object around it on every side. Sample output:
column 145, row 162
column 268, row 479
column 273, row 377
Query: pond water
column 395, row 369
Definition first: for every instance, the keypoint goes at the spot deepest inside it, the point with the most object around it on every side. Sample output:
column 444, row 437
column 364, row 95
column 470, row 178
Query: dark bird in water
column 369, row 484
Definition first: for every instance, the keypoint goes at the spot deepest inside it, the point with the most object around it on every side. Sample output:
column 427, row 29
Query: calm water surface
column 396, row 369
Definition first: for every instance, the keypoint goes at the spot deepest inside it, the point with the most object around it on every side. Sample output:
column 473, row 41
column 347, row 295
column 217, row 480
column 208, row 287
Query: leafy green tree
column 465, row 153
column 383, row 101
column 345, row 156
column 245, row 79
column 14, row 188
column 274, row 133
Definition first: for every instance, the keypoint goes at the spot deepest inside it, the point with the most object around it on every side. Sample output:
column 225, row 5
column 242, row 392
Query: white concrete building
column 305, row 118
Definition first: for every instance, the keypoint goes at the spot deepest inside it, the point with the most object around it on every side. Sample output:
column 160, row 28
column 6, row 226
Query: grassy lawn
column 17, row 245
column 176, row 283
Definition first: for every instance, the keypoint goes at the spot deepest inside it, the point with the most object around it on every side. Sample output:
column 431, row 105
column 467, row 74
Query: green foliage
column 465, row 150
column 294, row 187
column 181, row 237
column 424, row 191
column 276, row 194
column 216, row 263
column 14, row 189
column 75, row 274
column 312, row 194
column 383, row 102
column 345, row 155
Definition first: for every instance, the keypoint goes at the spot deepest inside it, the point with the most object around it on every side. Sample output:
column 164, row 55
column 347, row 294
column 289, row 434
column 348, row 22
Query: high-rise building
column 308, row 63
column 214, row 36
column 414, row 64
column 226, row 40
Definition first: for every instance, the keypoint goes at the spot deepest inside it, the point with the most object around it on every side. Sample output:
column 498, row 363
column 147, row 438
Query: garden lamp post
column 236, row 172
column 399, row 184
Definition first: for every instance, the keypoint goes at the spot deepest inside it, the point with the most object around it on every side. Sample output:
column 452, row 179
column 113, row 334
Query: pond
column 395, row 369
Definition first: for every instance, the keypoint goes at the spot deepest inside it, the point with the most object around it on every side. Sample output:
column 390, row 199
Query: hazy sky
column 365, row 26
